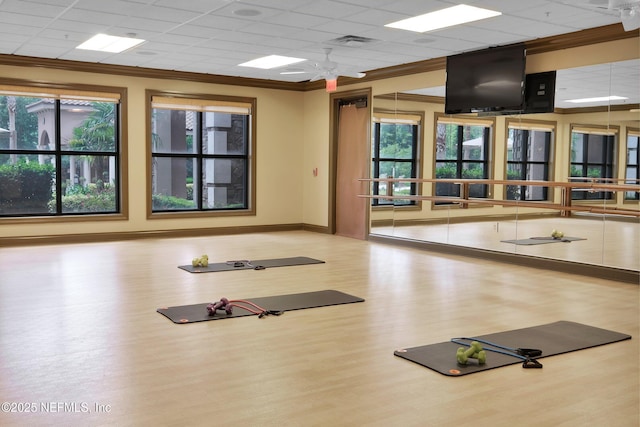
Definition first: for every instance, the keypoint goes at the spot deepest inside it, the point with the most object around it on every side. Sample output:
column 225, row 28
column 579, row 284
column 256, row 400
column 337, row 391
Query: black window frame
column 524, row 130
column 453, row 190
column 56, row 93
column 635, row 178
column 248, row 156
column 413, row 161
column 607, row 166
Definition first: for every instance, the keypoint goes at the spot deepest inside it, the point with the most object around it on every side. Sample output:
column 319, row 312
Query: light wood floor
column 78, row 326
column 608, row 242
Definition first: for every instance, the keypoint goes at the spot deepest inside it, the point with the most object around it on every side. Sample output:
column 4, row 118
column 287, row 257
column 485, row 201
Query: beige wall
column 315, row 194
column 292, row 140
column 280, row 155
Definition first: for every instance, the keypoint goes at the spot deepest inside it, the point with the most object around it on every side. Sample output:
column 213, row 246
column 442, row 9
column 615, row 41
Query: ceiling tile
column 213, row 36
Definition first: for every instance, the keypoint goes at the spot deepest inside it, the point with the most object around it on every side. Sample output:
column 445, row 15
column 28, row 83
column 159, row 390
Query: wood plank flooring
column 81, row 343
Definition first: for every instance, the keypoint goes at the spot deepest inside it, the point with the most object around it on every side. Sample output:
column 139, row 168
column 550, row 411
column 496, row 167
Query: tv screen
column 489, row 80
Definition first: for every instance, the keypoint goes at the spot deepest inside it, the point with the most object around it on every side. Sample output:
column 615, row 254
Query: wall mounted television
column 486, row 81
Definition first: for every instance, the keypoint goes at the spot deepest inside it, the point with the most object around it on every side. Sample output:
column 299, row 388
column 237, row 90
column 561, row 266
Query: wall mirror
column 590, row 139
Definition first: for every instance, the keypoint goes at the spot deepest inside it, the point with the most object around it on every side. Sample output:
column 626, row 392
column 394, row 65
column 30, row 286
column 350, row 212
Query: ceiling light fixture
column 271, row 61
column 597, row 99
column 456, row 15
column 113, row 44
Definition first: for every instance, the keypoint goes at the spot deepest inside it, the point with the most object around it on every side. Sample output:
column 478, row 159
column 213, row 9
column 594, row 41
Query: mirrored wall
column 582, row 141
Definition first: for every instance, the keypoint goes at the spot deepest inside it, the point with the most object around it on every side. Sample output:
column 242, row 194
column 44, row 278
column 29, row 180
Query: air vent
column 351, row 41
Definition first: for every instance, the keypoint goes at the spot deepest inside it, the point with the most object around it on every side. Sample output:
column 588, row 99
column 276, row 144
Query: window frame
column 528, row 126
column 416, row 120
column 250, row 178
column 74, row 91
column 632, row 133
column 612, row 132
column 460, row 120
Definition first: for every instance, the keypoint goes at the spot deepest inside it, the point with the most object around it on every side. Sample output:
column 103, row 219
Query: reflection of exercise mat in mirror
column 543, row 240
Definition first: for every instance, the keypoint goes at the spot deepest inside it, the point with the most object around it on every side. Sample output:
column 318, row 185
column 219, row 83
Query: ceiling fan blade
column 623, row 4
column 353, row 74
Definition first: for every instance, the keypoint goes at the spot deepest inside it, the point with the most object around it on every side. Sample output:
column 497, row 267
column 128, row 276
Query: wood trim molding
column 316, row 228
column 601, row 109
column 412, row 97
column 607, row 33
column 400, row 96
column 602, row 34
column 124, row 70
column 152, row 234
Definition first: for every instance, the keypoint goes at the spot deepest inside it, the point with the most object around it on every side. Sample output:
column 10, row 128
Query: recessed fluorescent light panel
column 271, row 61
column 112, row 44
column 456, row 15
column 597, row 99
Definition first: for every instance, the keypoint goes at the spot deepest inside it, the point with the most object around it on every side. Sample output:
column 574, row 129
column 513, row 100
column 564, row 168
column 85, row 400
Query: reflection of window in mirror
column 632, row 175
column 529, row 148
column 462, row 150
column 592, row 159
column 395, row 154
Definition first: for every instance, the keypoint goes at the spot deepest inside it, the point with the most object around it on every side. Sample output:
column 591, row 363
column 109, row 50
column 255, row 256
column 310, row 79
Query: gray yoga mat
column 553, row 338
column 542, row 240
column 198, row 312
column 251, row 264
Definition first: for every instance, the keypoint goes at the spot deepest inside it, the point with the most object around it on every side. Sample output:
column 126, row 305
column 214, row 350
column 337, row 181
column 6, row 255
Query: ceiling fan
column 330, row 71
column 629, row 11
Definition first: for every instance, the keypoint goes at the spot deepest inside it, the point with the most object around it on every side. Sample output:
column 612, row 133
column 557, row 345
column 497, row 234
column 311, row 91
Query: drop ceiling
column 214, row 36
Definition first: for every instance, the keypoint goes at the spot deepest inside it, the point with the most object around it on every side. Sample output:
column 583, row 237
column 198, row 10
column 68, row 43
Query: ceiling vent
column 351, row 41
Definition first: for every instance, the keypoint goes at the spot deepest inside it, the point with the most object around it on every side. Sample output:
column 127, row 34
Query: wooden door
column 352, row 163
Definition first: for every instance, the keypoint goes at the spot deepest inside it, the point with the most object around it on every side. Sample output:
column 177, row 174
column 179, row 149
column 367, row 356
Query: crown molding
column 590, row 36
column 153, row 73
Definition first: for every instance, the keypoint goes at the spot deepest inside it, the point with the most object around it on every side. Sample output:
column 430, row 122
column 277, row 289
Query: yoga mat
column 251, row 265
column 198, row 312
column 542, row 240
column 553, row 338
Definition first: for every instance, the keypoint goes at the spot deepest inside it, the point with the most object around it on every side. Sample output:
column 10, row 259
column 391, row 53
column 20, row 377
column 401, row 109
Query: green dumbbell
column 475, row 351
column 202, row 261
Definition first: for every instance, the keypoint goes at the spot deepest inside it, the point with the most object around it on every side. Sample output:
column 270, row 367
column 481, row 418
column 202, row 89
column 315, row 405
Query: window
column 201, row 153
column 59, row 151
column 528, row 158
column 462, row 151
column 395, row 154
column 592, row 157
column 632, row 174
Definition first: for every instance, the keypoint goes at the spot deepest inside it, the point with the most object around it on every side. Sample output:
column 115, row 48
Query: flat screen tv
column 488, row 80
